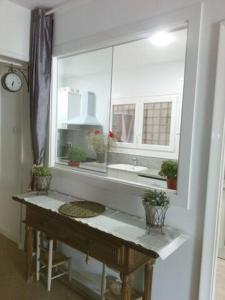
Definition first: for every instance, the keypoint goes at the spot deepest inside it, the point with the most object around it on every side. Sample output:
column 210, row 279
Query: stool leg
column 70, row 269
column 38, row 257
column 29, row 250
column 50, row 250
column 103, row 283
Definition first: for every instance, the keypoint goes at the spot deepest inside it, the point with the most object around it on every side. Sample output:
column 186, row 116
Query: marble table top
column 119, row 224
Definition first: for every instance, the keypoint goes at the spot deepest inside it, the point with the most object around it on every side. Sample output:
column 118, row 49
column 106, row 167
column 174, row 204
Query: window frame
column 140, row 29
column 150, row 149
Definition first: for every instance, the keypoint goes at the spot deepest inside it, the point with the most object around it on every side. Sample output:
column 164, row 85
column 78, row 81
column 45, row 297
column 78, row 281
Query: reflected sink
column 127, row 168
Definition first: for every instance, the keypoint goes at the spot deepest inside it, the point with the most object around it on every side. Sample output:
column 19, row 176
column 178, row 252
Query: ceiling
column 40, row 3
column 143, row 52
column 126, row 56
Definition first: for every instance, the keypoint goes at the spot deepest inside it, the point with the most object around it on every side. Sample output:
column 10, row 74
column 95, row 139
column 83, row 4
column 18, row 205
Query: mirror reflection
column 119, row 109
column 84, row 85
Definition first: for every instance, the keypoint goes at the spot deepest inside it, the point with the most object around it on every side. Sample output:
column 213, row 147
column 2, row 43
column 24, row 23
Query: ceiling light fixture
column 162, row 39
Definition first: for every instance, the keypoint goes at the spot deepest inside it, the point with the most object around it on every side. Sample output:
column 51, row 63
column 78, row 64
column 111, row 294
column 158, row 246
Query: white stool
column 103, row 282
column 47, row 258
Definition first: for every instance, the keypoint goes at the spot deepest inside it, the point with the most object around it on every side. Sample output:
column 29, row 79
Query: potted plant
column 156, row 204
column 42, row 178
column 100, row 143
column 75, row 156
column 169, row 170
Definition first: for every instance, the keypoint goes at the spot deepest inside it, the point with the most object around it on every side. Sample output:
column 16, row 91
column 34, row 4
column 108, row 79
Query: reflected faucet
column 135, row 161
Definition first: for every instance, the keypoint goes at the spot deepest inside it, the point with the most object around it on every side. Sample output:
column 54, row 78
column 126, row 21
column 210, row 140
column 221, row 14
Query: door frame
column 221, row 229
column 215, row 179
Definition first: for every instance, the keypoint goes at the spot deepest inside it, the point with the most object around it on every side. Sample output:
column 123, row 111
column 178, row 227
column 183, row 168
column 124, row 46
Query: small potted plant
column 100, row 143
column 169, row 170
column 76, row 155
column 42, row 178
column 156, row 204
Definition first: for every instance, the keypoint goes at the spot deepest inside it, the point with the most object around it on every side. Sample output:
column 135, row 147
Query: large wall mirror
column 121, row 111
column 119, row 108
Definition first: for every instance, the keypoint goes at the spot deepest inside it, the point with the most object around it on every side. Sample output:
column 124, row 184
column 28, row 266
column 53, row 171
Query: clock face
column 11, row 82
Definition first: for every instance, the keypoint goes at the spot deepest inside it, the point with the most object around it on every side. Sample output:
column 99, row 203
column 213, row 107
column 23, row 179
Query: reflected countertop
column 92, row 165
column 153, row 173
column 101, row 167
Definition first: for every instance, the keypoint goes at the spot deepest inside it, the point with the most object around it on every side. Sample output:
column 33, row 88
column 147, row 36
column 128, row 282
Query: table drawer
column 57, row 228
column 79, row 236
column 107, row 252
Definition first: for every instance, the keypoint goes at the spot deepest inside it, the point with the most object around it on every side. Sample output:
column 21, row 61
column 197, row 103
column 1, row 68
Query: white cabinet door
column 68, row 106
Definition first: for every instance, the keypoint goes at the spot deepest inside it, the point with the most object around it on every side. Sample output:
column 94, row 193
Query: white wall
column 99, row 84
column 177, row 278
column 15, row 148
column 14, row 30
column 130, row 82
column 149, row 80
column 15, row 156
column 90, row 72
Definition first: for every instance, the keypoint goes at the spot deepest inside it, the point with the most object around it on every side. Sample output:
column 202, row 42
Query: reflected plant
column 101, row 142
column 76, row 154
column 169, row 169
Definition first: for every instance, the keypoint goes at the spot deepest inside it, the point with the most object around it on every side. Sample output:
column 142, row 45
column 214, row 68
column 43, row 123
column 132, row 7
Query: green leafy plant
column 156, row 198
column 76, row 154
column 101, row 142
column 40, row 171
column 169, row 169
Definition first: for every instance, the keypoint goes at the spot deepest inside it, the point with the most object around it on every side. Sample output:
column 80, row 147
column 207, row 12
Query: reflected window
column 156, row 124
column 123, row 122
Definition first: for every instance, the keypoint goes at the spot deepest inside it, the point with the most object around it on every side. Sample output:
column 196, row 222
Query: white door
column 221, row 251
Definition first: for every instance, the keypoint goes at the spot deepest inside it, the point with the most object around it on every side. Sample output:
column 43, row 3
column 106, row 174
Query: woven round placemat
column 81, row 209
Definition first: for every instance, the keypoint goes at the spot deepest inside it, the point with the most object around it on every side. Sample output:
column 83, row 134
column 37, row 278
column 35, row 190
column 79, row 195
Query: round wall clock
column 11, row 82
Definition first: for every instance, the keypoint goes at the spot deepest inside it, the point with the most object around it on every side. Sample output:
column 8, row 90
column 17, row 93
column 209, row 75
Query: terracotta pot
column 171, row 183
column 73, row 163
column 100, row 157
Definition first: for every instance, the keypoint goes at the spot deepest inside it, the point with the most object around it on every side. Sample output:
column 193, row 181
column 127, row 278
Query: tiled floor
column 13, row 285
column 220, row 280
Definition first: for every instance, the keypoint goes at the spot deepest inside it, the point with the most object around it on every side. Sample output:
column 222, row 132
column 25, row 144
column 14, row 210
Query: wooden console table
column 116, row 239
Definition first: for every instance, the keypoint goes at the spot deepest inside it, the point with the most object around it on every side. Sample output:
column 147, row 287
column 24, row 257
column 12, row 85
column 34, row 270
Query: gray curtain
column 40, row 80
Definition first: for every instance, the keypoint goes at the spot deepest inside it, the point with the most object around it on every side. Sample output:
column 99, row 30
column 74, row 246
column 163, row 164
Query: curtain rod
column 51, row 11
column 9, row 63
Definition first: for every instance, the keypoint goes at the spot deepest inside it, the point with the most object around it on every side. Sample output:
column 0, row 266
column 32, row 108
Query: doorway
column 212, row 279
column 15, row 148
column 219, row 293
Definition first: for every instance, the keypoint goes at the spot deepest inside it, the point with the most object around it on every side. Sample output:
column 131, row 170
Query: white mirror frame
column 142, row 29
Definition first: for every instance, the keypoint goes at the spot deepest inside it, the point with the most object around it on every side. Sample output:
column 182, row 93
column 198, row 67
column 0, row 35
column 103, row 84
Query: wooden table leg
column 126, row 288
column 29, row 254
column 148, row 280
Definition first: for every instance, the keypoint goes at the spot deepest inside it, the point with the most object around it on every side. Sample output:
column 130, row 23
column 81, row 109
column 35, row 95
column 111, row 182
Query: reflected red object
column 73, row 163
column 97, row 132
column 111, row 135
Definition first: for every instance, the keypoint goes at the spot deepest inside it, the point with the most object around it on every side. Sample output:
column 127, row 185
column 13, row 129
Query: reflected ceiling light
column 162, row 39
